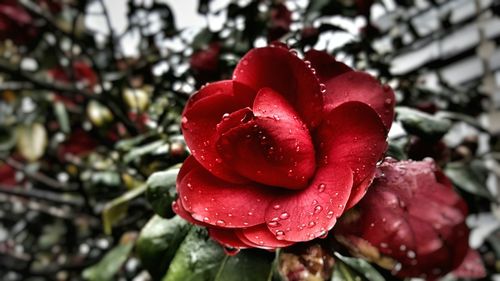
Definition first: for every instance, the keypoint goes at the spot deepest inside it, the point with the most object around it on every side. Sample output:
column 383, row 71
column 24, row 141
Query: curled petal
column 352, row 135
column 260, row 237
column 227, row 237
column 274, row 148
column 312, row 212
column 199, row 122
column 219, row 203
column 281, row 70
column 344, row 85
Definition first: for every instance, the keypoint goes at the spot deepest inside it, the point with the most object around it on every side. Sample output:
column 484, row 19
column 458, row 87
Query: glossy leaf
column 468, row 178
column 161, row 191
column 200, row 259
column 116, row 209
column 158, row 242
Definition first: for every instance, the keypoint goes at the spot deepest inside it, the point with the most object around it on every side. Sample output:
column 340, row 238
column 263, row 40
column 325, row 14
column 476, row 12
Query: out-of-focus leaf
column 62, row 117
column 128, row 144
column 32, row 141
column 161, row 191
column 422, row 124
column 397, row 148
column 7, row 139
column 468, row 178
column 354, row 269
column 136, row 153
column 200, row 259
column 461, row 117
column 158, row 242
column 116, row 209
column 109, row 265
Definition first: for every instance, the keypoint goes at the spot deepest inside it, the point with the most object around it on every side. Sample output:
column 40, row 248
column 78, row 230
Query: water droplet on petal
column 330, row 214
column 205, row 219
column 276, row 207
column 311, row 224
column 284, row 216
column 318, row 209
column 321, row 187
column 221, row 223
column 273, row 224
column 322, row 88
column 280, row 234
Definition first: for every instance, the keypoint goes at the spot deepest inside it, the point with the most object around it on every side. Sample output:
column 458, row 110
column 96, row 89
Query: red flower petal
column 343, row 85
column 310, row 213
column 226, row 237
column 199, row 121
column 260, row 237
column 179, row 210
column 219, row 203
column 410, row 216
column 471, row 267
column 285, row 73
column 352, row 135
column 275, row 148
column 325, row 65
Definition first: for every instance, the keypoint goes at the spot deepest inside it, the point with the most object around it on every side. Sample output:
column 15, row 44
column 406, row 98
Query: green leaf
column 397, row 148
column 469, row 178
column 422, row 124
column 62, row 117
column 109, row 265
column 116, row 209
column 248, row 265
column 149, row 148
column 201, row 259
column 198, row 258
column 7, row 139
column 158, row 242
column 354, row 269
column 161, row 191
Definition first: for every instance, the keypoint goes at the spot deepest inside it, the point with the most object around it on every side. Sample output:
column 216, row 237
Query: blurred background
column 91, row 93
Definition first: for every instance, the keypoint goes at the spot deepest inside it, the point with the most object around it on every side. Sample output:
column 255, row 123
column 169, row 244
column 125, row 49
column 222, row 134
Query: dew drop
column 273, row 224
column 280, row 234
column 205, row 219
column 322, row 88
column 321, row 187
column 230, row 251
column 311, row 224
column 330, row 214
column 318, row 209
column 221, row 223
column 218, row 160
column 276, row 117
column 250, row 213
column 276, row 207
column 184, row 120
column 411, row 254
column 284, row 216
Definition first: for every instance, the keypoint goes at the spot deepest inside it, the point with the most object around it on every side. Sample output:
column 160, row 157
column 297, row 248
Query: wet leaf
column 161, row 191
column 158, row 242
column 201, row 259
column 137, row 153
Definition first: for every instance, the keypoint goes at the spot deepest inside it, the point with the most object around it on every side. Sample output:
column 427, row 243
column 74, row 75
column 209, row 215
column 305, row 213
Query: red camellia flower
column 79, row 143
column 281, row 150
column 280, row 21
column 7, row 175
column 205, row 64
column 411, row 222
column 16, row 23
